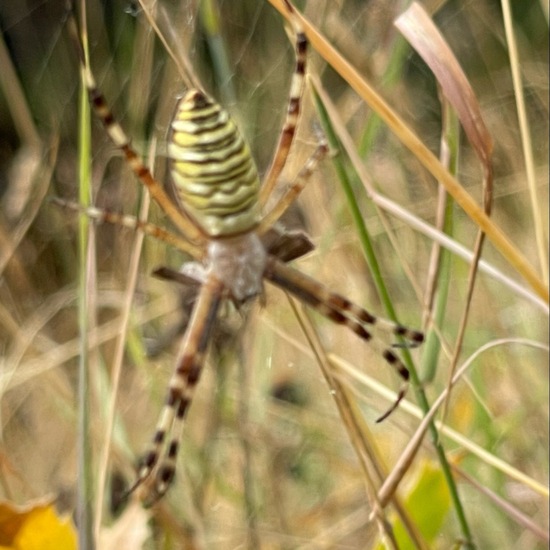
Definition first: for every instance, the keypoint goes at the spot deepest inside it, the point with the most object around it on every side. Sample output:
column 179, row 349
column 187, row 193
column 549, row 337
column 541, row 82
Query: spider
column 219, row 212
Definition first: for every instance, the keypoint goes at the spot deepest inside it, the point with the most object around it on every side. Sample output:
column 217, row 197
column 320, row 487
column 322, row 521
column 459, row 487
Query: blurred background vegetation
column 266, row 459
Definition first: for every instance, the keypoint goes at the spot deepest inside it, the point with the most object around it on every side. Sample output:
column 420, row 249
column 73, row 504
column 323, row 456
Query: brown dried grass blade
column 369, row 457
column 417, row 27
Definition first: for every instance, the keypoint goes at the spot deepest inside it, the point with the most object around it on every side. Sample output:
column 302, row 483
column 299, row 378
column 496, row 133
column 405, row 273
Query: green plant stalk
column 211, row 23
column 372, row 262
column 364, row 237
column 432, row 346
column 451, row 130
column 85, row 477
column 392, row 75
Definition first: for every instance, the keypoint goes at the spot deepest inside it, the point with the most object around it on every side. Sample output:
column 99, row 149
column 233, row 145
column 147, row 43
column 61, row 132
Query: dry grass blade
column 513, row 512
column 172, row 44
column 418, row 28
column 515, row 64
column 39, row 180
column 117, row 365
column 59, row 354
column 424, row 37
column 403, row 463
column 28, row 179
column 352, row 420
column 15, row 99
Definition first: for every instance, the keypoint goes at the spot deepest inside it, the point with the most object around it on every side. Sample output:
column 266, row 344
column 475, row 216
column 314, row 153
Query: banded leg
column 131, row 222
column 160, row 459
column 122, row 142
column 295, row 188
column 293, row 109
column 341, row 311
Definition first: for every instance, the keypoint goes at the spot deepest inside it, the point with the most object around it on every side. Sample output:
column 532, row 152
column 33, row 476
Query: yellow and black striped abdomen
column 214, row 174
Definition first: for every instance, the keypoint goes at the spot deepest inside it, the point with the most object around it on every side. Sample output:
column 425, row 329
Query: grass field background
column 274, row 456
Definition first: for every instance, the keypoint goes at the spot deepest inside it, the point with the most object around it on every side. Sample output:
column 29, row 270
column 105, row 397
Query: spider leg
column 122, row 142
column 294, row 189
column 341, row 311
column 131, row 222
column 160, row 459
column 293, row 110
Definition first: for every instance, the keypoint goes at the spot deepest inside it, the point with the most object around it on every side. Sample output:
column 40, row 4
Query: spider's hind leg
column 160, row 458
column 344, row 312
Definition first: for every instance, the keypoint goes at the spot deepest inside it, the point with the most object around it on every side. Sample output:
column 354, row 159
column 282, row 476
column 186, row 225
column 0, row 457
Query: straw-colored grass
column 281, row 448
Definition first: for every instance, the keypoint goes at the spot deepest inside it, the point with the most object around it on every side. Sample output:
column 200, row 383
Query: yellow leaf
column 427, row 502
column 35, row 526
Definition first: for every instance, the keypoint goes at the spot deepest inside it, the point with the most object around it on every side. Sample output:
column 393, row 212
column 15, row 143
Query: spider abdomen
column 215, row 177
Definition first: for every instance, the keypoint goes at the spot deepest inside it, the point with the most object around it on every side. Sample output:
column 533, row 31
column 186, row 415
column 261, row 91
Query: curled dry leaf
column 417, row 27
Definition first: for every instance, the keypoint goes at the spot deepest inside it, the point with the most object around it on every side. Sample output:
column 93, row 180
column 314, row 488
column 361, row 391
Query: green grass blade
column 85, row 469
column 366, row 245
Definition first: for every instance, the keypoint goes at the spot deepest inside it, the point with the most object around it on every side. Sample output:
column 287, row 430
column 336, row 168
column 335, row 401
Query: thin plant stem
column 372, row 262
column 85, row 282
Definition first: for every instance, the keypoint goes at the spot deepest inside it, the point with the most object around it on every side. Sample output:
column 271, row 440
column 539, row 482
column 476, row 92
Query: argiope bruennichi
column 220, row 213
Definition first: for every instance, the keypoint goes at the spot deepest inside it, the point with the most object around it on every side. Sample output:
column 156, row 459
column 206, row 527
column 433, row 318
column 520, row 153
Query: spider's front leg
column 160, row 459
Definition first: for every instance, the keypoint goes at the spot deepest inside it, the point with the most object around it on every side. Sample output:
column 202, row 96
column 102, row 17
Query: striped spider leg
column 219, row 211
column 342, row 311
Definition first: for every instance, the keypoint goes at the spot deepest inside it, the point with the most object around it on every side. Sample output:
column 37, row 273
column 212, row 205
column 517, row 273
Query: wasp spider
column 219, row 212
